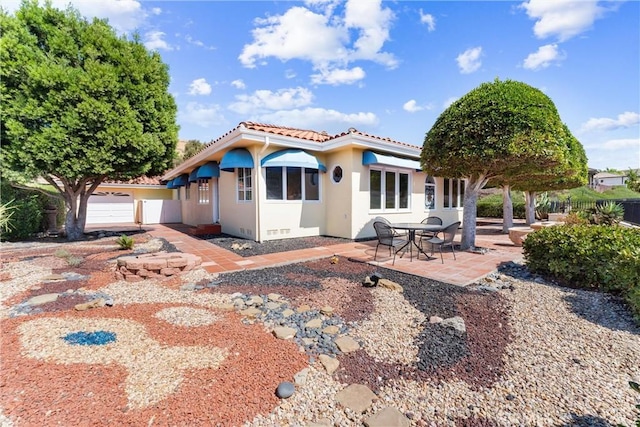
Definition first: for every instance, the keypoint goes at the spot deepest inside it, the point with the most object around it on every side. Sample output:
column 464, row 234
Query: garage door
column 110, row 207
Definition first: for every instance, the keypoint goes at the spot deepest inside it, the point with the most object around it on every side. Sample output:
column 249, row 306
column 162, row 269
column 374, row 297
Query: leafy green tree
column 572, row 172
column 633, row 180
column 81, row 104
column 495, row 129
column 191, row 148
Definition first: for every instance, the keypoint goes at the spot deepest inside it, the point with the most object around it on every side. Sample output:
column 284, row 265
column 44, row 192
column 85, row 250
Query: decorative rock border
column 155, row 266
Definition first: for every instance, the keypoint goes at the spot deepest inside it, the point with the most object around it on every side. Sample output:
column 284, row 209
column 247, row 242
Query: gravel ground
column 249, row 248
column 530, row 353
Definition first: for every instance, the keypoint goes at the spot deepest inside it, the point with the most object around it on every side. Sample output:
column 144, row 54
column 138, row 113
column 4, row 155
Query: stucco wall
column 194, row 213
column 338, row 215
column 237, row 218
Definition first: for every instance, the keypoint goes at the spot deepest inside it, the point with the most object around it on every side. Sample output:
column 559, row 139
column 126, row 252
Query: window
column 297, row 183
column 337, row 174
column 187, row 191
column 429, row 193
column 453, row 193
column 244, row 185
column 203, row 191
column 388, row 190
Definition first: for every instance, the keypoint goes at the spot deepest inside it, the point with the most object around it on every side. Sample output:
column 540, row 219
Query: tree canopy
column 81, row 104
column 498, row 131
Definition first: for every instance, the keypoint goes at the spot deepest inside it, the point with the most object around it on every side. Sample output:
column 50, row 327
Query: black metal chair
column 448, row 234
column 432, row 220
column 386, row 237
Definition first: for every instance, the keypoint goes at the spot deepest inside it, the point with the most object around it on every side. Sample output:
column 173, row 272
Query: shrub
column 577, row 218
column 609, row 213
column 493, row 209
column 598, row 257
column 125, row 242
column 27, row 209
column 6, row 212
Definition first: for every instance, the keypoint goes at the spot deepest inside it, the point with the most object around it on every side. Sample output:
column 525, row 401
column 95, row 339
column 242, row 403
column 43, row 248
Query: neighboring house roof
column 609, row 175
column 140, row 181
column 295, row 138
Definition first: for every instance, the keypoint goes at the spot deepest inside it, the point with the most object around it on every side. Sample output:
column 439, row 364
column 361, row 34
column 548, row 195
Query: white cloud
column 154, row 40
column 412, row 106
column 262, row 100
column 469, row 60
column 156, row 11
column 202, row 115
column 199, row 87
column 198, row 43
column 238, row 84
column 563, row 19
column 319, row 118
column 290, row 73
column 624, row 120
column 617, row 144
column 338, row 76
column 124, row 15
column 428, row 19
column 543, row 57
column 323, row 38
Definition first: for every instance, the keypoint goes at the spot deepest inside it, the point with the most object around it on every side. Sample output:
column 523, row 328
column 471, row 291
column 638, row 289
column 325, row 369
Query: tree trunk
column 507, row 209
column 470, row 210
column 530, row 206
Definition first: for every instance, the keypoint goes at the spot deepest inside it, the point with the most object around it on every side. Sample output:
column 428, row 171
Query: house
column 264, row 182
column 144, row 200
column 607, row 179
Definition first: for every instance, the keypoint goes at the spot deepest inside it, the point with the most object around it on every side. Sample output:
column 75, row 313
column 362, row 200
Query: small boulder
column 285, row 390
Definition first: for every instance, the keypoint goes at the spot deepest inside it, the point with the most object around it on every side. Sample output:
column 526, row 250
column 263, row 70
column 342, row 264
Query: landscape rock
column 388, row 417
column 42, row 299
column 99, row 302
column 284, row 332
column 330, row 363
column 285, row 390
column 347, row 344
column 388, row 284
column 456, row 323
column 356, row 397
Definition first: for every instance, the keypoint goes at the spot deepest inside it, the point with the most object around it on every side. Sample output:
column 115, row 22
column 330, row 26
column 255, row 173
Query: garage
column 110, row 207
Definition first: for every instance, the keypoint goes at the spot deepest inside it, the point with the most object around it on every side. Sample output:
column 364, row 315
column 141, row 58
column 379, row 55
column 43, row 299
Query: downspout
column 267, row 141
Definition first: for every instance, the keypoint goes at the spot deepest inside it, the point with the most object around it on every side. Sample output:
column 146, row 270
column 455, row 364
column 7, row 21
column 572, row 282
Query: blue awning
column 236, row 158
column 193, row 176
column 208, row 170
column 371, row 158
column 170, row 185
column 292, row 157
column 181, row 181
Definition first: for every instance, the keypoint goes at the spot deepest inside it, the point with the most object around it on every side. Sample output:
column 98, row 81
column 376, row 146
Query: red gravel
column 81, row 394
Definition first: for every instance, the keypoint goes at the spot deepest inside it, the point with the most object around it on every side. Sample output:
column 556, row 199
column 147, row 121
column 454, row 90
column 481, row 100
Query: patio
column 468, row 268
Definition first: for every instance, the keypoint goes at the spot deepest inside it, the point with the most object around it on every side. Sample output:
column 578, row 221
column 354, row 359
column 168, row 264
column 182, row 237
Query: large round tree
column 81, row 104
column 495, row 129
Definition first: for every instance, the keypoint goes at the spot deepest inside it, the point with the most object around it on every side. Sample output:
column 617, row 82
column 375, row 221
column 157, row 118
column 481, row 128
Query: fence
column 631, row 207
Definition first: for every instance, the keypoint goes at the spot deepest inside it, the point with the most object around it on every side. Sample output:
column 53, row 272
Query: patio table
column 412, row 227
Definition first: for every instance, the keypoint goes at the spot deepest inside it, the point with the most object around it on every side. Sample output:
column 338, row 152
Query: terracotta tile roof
column 141, row 180
column 310, row 135
column 368, row 135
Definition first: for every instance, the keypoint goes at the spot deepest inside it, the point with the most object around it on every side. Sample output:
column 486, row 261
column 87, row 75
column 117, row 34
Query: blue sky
column 391, row 68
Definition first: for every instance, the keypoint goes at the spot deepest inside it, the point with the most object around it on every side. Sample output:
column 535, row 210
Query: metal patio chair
column 386, row 237
column 448, row 234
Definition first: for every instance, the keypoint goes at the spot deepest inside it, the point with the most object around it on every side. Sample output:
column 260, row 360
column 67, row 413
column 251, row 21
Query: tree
column 81, row 104
column 494, row 130
column 571, row 173
column 633, row 181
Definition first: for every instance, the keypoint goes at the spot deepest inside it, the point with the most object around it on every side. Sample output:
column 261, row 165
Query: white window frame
column 242, row 187
column 302, row 199
column 204, row 192
column 430, row 183
column 456, row 196
column 383, row 172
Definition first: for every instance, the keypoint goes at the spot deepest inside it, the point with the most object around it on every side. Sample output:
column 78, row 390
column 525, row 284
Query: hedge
column 600, row 257
column 494, row 210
